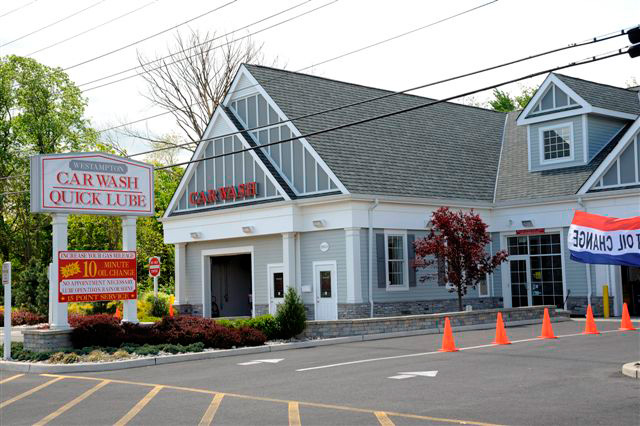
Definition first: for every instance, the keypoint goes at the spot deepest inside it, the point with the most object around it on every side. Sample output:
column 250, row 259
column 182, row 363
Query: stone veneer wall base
column 47, row 340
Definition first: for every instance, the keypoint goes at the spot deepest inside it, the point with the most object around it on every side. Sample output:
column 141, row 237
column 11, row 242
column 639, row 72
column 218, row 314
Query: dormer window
column 553, row 99
column 556, row 143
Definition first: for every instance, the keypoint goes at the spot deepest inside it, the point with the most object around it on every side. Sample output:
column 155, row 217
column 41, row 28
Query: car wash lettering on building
column 224, row 193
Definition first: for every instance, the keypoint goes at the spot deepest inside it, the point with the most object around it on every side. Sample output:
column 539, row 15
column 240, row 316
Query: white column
column 180, row 273
column 354, row 276
column 130, row 313
column 58, row 311
column 289, row 260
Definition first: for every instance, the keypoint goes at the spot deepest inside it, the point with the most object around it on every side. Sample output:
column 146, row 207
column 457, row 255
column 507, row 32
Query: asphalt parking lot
column 573, row 380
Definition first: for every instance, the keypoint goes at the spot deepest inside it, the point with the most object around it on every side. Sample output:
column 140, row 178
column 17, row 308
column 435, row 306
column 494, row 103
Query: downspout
column 584, row 208
column 370, row 217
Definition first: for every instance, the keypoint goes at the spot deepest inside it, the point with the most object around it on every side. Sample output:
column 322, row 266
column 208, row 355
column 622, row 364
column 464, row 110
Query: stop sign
column 154, row 266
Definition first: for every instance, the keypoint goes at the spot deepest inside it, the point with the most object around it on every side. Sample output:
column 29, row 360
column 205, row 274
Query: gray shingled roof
column 603, row 95
column 515, row 182
column 443, row 151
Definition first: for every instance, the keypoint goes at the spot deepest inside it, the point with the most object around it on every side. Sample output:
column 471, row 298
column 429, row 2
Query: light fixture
column 527, row 223
column 319, row 223
column 196, row 235
column 247, row 229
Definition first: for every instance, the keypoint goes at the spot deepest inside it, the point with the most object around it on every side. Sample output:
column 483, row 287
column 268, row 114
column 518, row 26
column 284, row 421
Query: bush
column 157, row 307
column 96, row 330
column 251, row 337
column 31, row 287
column 23, row 317
column 80, row 309
column 291, row 315
column 267, row 324
column 70, row 358
column 185, row 330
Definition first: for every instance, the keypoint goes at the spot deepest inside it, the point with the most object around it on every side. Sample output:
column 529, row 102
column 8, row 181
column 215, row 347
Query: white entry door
column 276, row 286
column 325, row 289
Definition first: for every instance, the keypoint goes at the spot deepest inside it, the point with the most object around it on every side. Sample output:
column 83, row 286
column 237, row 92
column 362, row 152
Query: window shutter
column 382, row 270
column 441, row 271
column 411, row 251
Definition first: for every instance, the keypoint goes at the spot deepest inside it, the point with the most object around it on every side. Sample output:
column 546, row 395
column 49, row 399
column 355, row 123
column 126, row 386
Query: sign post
column 154, row 271
column 89, row 183
column 6, row 282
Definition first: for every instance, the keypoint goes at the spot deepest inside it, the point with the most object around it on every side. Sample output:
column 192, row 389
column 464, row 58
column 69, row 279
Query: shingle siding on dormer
column 578, row 144
column 600, row 131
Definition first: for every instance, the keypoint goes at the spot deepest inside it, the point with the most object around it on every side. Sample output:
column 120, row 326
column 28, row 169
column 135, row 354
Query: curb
column 632, row 369
column 24, row 367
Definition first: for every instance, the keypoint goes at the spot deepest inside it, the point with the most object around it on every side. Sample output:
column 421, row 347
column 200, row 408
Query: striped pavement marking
column 30, row 391
column 383, row 419
column 139, row 406
column 72, row 403
column 211, row 410
column 294, row 414
column 8, row 379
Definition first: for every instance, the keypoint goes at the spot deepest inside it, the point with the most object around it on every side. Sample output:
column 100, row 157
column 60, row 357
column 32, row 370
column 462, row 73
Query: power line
column 213, row 48
column 594, row 40
column 149, row 37
column 54, row 23
column 189, row 48
column 313, row 65
column 405, row 110
column 17, row 8
column 93, row 28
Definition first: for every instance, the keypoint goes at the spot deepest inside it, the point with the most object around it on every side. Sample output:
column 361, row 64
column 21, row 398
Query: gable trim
column 608, row 161
column 294, row 130
column 189, row 173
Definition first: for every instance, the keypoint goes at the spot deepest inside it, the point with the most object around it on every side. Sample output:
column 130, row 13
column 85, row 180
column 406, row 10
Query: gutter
column 370, row 217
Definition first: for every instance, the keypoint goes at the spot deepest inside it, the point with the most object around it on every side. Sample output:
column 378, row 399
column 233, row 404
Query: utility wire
column 590, row 59
column 422, row 86
column 92, row 28
column 53, row 23
column 189, row 48
column 312, row 65
column 17, row 8
column 147, row 71
column 148, row 37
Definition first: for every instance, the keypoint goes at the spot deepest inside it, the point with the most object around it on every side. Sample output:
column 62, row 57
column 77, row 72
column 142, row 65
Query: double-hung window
column 396, row 260
column 556, row 143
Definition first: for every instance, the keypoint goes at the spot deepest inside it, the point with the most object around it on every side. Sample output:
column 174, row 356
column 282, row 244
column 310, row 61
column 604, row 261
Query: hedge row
column 107, row 331
column 21, row 317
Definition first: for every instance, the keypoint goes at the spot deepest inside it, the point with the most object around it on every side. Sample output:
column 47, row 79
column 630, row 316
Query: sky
column 499, row 32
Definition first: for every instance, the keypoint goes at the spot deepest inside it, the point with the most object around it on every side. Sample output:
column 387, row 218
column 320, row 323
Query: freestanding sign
column 6, row 282
column 91, row 183
column 154, row 271
column 92, row 276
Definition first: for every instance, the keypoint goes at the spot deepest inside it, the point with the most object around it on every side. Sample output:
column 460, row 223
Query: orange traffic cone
column 171, row 300
column 118, row 314
column 448, row 345
column 501, row 333
column 626, row 319
column 590, row 326
column 547, row 330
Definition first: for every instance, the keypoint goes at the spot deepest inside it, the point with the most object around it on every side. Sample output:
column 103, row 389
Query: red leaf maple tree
column 458, row 240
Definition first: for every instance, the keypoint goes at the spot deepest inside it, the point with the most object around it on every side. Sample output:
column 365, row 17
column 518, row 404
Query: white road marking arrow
column 411, row 374
column 262, row 361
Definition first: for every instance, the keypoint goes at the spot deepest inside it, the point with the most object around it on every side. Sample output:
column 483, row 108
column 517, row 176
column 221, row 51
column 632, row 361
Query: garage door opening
column 231, row 286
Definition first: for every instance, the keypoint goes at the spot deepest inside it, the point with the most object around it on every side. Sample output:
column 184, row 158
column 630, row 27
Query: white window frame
column 405, row 280
column 572, row 150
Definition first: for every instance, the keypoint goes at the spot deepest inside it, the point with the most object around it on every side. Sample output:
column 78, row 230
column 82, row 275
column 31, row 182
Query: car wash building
column 335, row 215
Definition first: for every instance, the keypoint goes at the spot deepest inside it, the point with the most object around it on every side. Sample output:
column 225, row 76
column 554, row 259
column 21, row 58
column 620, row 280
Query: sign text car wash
column 99, row 184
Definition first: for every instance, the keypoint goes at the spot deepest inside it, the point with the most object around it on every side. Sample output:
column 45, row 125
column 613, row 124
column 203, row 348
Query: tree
column 41, row 111
column 458, row 240
column 191, row 82
column 503, row 101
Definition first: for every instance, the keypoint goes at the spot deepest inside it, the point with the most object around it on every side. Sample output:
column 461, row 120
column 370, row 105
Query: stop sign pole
column 154, row 271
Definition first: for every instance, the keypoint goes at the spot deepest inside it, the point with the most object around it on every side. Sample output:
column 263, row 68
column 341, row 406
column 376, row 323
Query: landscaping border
column 30, row 367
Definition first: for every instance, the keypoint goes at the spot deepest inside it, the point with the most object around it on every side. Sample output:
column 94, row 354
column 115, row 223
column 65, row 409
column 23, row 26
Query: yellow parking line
column 294, row 414
column 284, row 401
column 211, row 411
column 139, row 406
column 71, row 403
column 29, row 392
column 383, row 418
column 8, row 379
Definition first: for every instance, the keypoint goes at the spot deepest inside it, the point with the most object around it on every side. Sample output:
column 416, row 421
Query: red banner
column 92, row 276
